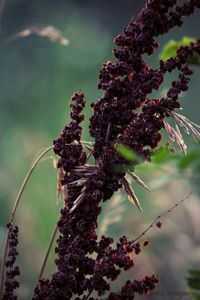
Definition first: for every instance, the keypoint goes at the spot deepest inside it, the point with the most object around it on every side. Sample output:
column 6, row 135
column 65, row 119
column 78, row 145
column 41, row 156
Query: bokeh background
column 37, row 78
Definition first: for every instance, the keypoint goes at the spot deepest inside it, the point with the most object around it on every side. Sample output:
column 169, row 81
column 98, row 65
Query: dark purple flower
column 124, row 114
column 12, row 270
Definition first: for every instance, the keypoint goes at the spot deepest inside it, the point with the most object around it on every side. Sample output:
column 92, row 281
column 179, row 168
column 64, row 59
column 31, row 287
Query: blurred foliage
column 171, row 47
column 164, row 154
column 126, row 152
column 183, row 162
column 193, row 281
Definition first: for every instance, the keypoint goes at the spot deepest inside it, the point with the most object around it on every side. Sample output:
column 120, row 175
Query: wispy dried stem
column 138, row 180
column 48, row 252
column 158, row 218
column 15, row 206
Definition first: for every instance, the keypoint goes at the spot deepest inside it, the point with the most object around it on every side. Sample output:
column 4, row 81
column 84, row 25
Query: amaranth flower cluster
column 125, row 114
column 12, row 270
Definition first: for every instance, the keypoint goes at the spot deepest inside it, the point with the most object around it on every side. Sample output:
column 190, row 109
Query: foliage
column 193, row 281
column 169, row 50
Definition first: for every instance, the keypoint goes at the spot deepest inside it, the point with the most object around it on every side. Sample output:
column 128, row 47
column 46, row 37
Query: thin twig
column 21, row 190
column 162, row 215
column 47, row 253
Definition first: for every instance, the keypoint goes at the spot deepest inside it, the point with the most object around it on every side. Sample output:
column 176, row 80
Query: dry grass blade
column 138, row 180
column 49, row 32
column 79, row 182
column 65, row 192
column 175, row 136
column 60, row 175
column 130, row 193
column 187, row 125
column 78, row 200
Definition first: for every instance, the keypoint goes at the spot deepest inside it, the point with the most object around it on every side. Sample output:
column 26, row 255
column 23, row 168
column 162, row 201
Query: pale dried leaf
column 60, row 175
column 174, row 136
column 138, row 180
column 186, row 124
column 169, row 131
column 78, row 200
column 130, row 193
column 79, row 182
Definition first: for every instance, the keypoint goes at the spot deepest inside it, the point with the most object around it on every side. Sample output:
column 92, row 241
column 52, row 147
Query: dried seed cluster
column 125, row 114
column 12, row 270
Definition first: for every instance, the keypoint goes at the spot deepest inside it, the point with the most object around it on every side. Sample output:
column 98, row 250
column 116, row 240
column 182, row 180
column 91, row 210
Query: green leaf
column 188, row 160
column 126, row 152
column 169, row 50
column 161, row 155
column 194, row 274
column 193, row 282
column 195, row 296
column 171, row 47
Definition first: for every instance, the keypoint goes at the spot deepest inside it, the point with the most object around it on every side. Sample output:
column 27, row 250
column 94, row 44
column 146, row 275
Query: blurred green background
column 37, row 78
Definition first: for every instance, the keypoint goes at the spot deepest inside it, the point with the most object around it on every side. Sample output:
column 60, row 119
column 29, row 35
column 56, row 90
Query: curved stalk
column 47, row 253
column 17, row 200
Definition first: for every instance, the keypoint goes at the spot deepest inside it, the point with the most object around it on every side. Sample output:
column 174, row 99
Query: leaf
column 193, row 281
column 130, row 193
column 169, row 50
column 188, row 160
column 161, row 155
column 171, row 47
column 126, row 152
column 188, row 126
column 175, row 136
column 138, row 180
column 193, row 272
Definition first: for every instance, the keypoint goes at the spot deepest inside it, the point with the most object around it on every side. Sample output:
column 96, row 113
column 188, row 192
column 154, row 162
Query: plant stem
column 160, row 216
column 25, row 182
column 47, row 253
column 17, row 200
